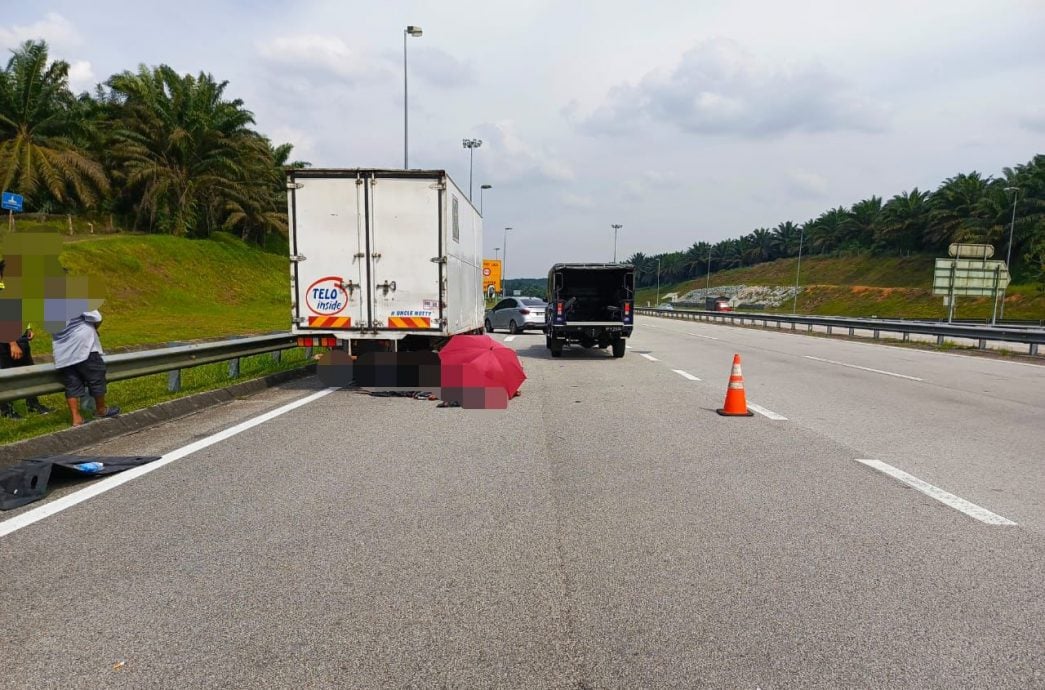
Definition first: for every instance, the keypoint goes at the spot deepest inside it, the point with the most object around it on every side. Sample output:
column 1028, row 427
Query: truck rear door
column 405, row 249
column 328, row 237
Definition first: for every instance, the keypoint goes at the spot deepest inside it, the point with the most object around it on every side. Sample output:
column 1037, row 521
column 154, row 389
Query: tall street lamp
column 1008, row 255
column 414, row 31
column 798, row 269
column 471, row 145
column 707, row 282
column 658, row 281
column 504, row 267
column 481, row 188
column 615, row 229
column 496, row 253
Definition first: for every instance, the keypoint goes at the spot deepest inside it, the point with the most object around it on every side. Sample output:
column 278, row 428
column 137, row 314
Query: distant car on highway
column 516, row 314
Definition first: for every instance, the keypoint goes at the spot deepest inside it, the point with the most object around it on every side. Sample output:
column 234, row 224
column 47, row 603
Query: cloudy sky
column 682, row 121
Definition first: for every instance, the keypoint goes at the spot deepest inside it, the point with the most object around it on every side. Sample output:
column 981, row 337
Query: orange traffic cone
column 736, row 401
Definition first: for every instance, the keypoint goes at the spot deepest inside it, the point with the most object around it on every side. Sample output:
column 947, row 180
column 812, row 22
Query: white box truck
column 382, row 259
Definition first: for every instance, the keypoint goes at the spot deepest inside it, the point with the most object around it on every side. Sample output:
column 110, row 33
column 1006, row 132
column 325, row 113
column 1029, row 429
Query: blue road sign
column 11, row 201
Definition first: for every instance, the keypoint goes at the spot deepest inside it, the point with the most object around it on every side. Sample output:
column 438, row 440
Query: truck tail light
column 628, row 317
column 317, row 342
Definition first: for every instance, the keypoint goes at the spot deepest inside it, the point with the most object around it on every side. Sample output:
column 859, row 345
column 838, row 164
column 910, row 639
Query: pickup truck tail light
column 628, row 316
column 560, row 312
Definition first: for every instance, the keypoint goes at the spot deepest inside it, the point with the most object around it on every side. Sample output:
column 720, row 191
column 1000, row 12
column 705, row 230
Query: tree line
column 161, row 151
column 965, row 208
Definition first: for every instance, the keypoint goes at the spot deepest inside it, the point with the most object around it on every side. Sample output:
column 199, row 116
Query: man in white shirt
column 78, row 358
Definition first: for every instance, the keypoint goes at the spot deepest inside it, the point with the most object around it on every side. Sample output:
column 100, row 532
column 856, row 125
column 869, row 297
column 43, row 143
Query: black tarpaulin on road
column 27, row 481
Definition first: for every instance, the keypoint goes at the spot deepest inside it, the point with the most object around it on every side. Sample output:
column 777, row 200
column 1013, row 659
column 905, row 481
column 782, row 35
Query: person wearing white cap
column 78, row 358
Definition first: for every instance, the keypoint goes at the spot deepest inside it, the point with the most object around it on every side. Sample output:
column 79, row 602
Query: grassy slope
column 161, row 289
column 864, row 286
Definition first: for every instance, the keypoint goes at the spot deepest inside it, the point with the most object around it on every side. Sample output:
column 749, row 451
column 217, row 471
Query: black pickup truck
column 591, row 305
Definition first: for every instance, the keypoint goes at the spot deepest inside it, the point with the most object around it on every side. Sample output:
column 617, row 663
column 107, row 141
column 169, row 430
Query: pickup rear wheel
column 619, row 347
column 556, row 348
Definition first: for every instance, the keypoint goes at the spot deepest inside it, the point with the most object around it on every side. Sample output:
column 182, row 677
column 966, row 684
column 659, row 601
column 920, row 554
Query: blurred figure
column 78, row 358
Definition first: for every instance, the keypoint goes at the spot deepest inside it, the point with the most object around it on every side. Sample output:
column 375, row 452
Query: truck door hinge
column 297, row 257
column 438, row 185
column 300, row 320
column 359, row 181
column 294, row 185
column 438, row 259
column 386, row 286
column 376, row 255
column 350, row 286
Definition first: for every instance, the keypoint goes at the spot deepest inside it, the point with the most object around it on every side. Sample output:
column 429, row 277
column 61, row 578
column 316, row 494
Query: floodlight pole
column 1008, row 256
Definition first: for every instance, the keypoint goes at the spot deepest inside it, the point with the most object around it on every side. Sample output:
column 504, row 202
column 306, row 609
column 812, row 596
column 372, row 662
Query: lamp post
column 481, row 188
column 414, row 31
column 471, row 145
column 1008, row 255
column 798, row 269
column 707, row 282
column 658, row 282
column 615, row 229
column 504, row 267
column 496, row 253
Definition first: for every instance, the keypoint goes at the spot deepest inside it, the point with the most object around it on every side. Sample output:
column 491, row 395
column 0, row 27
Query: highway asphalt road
column 608, row 530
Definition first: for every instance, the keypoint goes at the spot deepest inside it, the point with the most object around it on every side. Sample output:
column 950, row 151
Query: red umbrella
column 479, row 361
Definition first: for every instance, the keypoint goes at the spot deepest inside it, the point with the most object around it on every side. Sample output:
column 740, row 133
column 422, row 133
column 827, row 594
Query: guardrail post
column 852, row 331
column 829, row 330
column 983, row 344
column 810, row 329
column 939, row 341
column 234, row 365
column 1034, row 348
column 277, row 356
column 906, row 337
column 308, row 353
column 793, row 324
column 174, row 375
column 876, row 332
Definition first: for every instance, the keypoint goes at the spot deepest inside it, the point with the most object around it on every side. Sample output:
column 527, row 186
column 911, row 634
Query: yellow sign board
column 492, row 276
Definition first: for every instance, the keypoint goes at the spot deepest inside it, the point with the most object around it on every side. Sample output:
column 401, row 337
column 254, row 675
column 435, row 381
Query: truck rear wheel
column 556, row 348
column 619, row 347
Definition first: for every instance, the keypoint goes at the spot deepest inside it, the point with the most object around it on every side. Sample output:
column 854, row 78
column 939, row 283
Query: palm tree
column 785, row 239
column 904, row 220
column 864, row 217
column 39, row 118
column 763, row 246
column 184, row 149
column 830, row 231
column 957, row 211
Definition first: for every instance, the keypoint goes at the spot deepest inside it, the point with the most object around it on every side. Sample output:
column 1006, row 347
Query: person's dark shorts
column 87, row 376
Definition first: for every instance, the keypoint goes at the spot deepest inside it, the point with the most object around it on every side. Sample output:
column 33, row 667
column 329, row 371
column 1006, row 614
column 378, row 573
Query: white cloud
column 316, row 58
column 440, row 68
column 304, row 143
column 509, row 157
column 81, row 76
column 719, row 88
column 577, row 201
column 55, row 29
column 807, row 184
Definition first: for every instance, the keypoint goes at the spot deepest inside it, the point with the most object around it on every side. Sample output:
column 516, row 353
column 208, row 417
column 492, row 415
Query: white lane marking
column 854, row 366
column 509, row 339
column 685, row 375
column 970, row 509
column 766, row 413
column 628, row 346
column 709, row 337
column 103, row 485
column 649, row 357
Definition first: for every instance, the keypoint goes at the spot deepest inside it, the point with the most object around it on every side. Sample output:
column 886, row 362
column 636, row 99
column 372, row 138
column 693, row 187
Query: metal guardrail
column 40, row 379
column 982, row 334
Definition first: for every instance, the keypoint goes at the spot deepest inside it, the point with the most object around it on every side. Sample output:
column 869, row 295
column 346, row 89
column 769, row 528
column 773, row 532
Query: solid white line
column 854, row 366
column 509, row 339
column 103, row 485
column 649, row 357
column 685, row 375
column 709, row 337
column 766, row 413
column 970, row 509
